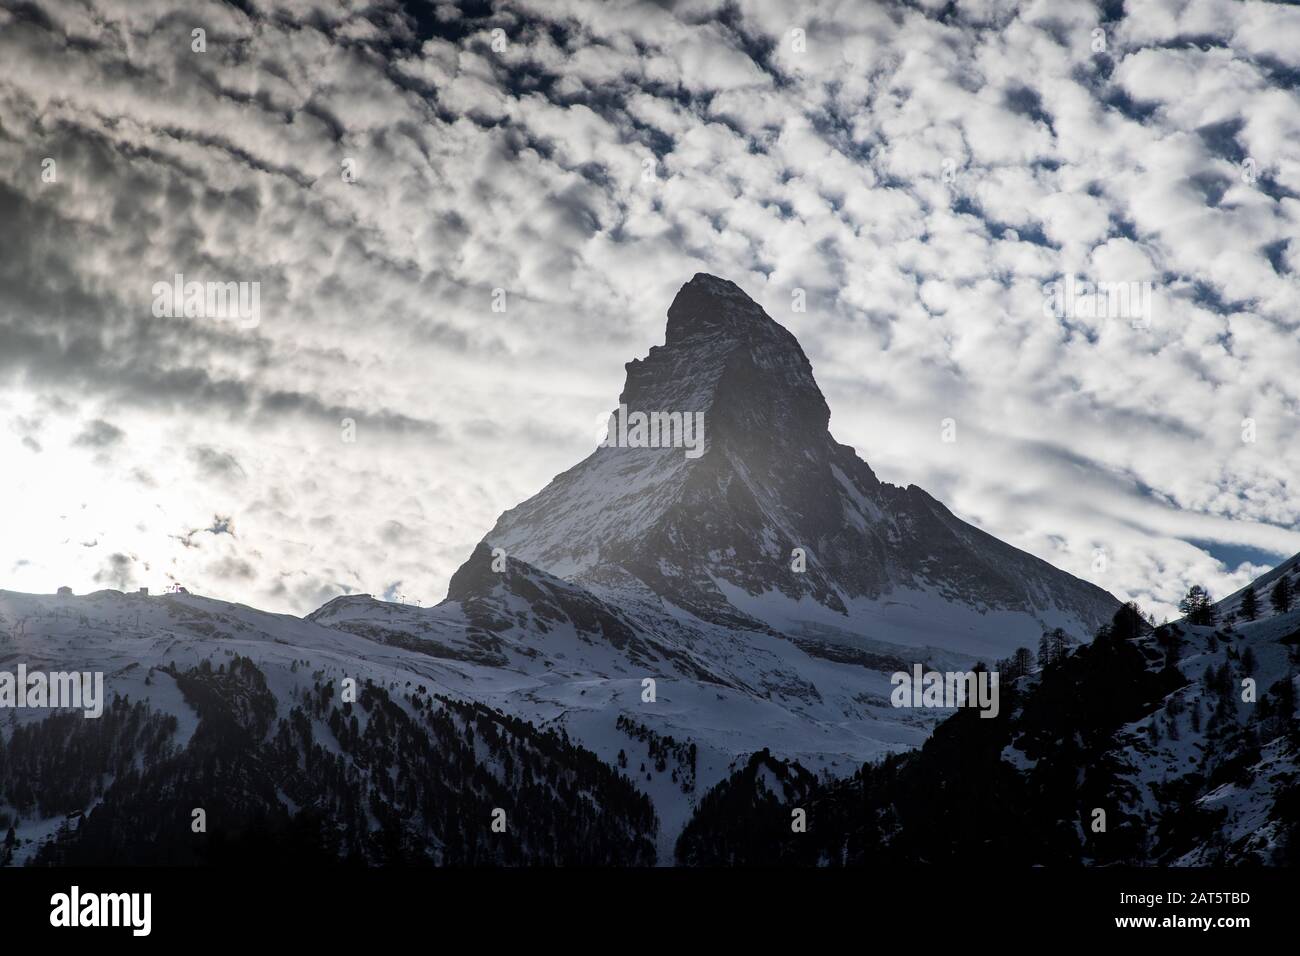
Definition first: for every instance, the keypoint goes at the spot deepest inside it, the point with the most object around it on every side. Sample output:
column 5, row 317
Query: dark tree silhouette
column 1281, row 595
column 1198, row 606
column 1249, row 604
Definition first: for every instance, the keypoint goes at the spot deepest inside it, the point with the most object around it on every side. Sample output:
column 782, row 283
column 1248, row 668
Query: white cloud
column 920, row 175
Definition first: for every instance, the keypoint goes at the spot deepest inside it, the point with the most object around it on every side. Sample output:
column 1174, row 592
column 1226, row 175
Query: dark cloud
column 396, row 534
column 232, row 569
column 99, row 434
column 1025, row 101
column 214, row 464
column 117, row 571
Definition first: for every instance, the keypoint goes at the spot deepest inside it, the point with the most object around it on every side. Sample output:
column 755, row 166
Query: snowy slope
column 1173, row 745
column 1240, row 764
column 522, row 641
column 1213, row 738
column 1230, row 607
column 143, row 644
column 566, row 658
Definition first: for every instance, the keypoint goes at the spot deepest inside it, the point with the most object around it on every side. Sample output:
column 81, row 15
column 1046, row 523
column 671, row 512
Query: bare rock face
column 771, row 523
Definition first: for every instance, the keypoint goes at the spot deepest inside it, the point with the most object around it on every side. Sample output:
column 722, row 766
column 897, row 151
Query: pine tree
column 1249, row 604
column 1023, row 659
column 1281, row 595
column 1198, row 606
column 1053, row 647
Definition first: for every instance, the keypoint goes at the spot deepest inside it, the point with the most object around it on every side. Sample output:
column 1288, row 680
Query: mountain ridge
column 647, row 524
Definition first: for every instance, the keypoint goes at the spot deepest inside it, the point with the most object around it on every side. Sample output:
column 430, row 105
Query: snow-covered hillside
column 1222, row 732
column 1153, row 745
column 528, row 644
column 1219, row 741
column 260, row 694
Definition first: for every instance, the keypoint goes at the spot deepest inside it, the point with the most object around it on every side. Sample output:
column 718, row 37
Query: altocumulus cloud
column 915, row 172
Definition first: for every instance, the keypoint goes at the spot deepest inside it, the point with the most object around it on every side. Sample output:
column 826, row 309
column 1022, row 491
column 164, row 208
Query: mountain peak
column 721, row 349
column 775, row 523
column 708, row 304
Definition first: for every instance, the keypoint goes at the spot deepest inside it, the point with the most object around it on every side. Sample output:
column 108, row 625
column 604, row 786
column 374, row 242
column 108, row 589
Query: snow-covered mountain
column 625, row 637
column 648, row 562
column 656, row 531
column 651, row 563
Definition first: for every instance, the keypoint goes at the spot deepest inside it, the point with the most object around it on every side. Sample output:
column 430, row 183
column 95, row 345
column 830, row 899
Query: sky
column 462, row 220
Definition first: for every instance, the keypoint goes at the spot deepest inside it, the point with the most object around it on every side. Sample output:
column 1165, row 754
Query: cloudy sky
column 920, row 170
